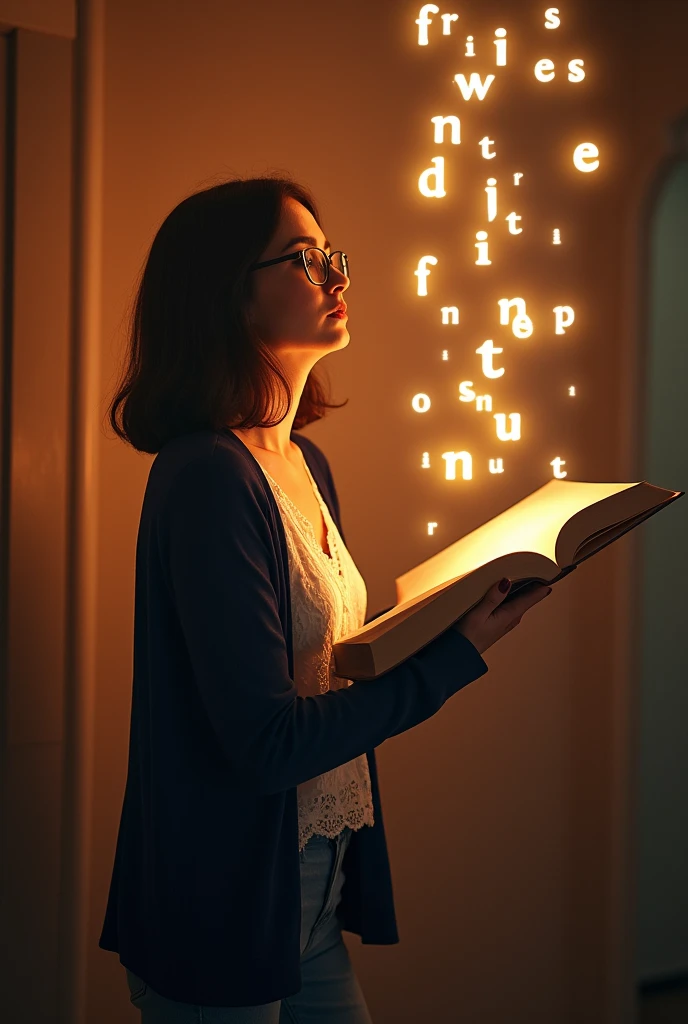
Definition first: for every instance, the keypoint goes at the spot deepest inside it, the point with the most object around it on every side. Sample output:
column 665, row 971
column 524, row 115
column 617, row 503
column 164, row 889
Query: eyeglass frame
column 301, row 253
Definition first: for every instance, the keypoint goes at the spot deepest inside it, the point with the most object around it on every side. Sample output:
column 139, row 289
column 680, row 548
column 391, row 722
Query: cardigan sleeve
column 220, row 562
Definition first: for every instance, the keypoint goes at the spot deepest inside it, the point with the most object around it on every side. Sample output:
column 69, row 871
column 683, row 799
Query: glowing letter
column 522, row 325
column 563, row 317
column 450, row 311
column 431, row 529
column 485, row 144
column 544, row 70
column 556, row 237
column 517, row 178
column 470, row 49
column 515, row 433
column 445, row 354
column 420, row 403
column 439, row 123
column 427, row 190
column 491, row 198
column 466, row 465
column 572, row 392
column 496, row 465
column 557, row 464
column 422, row 273
column 474, row 84
column 481, row 246
column 487, row 350
column 512, row 218
column 422, row 21
column 585, row 156
column 425, row 463
column 446, row 23
column 576, row 73
column 466, row 392
column 551, row 19
column 500, row 43
column 483, row 402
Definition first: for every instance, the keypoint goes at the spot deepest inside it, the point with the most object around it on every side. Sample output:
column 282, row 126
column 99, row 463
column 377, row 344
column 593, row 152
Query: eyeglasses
column 316, row 263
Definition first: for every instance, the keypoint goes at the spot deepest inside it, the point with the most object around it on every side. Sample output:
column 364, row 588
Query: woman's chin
column 340, row 331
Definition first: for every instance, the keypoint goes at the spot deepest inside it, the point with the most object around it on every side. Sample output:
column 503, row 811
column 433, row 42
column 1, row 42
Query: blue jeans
column 330, row 992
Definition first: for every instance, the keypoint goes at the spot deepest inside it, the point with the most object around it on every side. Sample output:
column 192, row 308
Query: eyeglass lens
column 316, row 264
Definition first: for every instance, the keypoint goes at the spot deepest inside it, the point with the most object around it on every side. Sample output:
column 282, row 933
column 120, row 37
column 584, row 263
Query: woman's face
column 289, row 312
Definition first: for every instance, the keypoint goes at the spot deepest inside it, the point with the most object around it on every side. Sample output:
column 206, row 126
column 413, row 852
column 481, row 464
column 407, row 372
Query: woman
column 251, row 831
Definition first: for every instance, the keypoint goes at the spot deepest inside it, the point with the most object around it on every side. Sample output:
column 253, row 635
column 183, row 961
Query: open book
column 540, row 539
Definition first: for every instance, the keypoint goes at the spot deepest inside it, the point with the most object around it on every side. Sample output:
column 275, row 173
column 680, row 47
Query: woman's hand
column 487, row 623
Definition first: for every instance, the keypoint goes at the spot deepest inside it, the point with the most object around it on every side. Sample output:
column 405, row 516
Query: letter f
column 422, row 273
column 422, row 21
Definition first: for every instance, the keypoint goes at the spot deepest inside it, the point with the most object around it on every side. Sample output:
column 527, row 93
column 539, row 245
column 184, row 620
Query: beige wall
column 507, row 813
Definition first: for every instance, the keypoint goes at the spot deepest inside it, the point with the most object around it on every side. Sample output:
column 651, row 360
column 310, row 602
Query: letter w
column 475, row 85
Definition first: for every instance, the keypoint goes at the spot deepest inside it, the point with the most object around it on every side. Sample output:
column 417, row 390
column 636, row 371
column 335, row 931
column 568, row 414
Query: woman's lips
column 339, row 315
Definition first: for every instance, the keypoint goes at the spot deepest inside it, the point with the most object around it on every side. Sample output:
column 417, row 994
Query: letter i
column 470, row 49
column 481, row 246
column 491, row 198
column 500, row 43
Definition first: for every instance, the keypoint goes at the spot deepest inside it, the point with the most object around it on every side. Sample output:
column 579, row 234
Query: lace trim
column 334, row 800
column 333, row 558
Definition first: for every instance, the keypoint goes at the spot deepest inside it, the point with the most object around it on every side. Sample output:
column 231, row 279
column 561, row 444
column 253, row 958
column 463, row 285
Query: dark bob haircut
column 194, row 361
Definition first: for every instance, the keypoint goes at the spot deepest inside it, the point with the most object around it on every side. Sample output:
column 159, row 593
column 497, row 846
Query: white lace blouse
column 328, row 600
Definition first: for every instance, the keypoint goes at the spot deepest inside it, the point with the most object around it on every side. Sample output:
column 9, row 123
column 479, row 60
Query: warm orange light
column 533, row 525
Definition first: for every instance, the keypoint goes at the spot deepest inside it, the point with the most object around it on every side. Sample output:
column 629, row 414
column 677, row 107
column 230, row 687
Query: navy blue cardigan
column 205, row 899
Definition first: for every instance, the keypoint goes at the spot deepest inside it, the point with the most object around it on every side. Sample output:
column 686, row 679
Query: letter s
column 576, row 73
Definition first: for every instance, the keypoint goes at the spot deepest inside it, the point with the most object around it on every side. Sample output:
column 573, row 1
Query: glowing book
column 541, row 539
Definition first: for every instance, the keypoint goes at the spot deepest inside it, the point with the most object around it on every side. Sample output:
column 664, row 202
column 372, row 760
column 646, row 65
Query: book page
column 532, row 524
column 596, row 525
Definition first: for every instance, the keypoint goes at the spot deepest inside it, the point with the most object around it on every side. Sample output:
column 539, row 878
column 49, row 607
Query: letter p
column 563, row 318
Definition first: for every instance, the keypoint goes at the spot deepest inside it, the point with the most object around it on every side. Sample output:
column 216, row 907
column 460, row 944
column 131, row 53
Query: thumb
column 496, row 594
